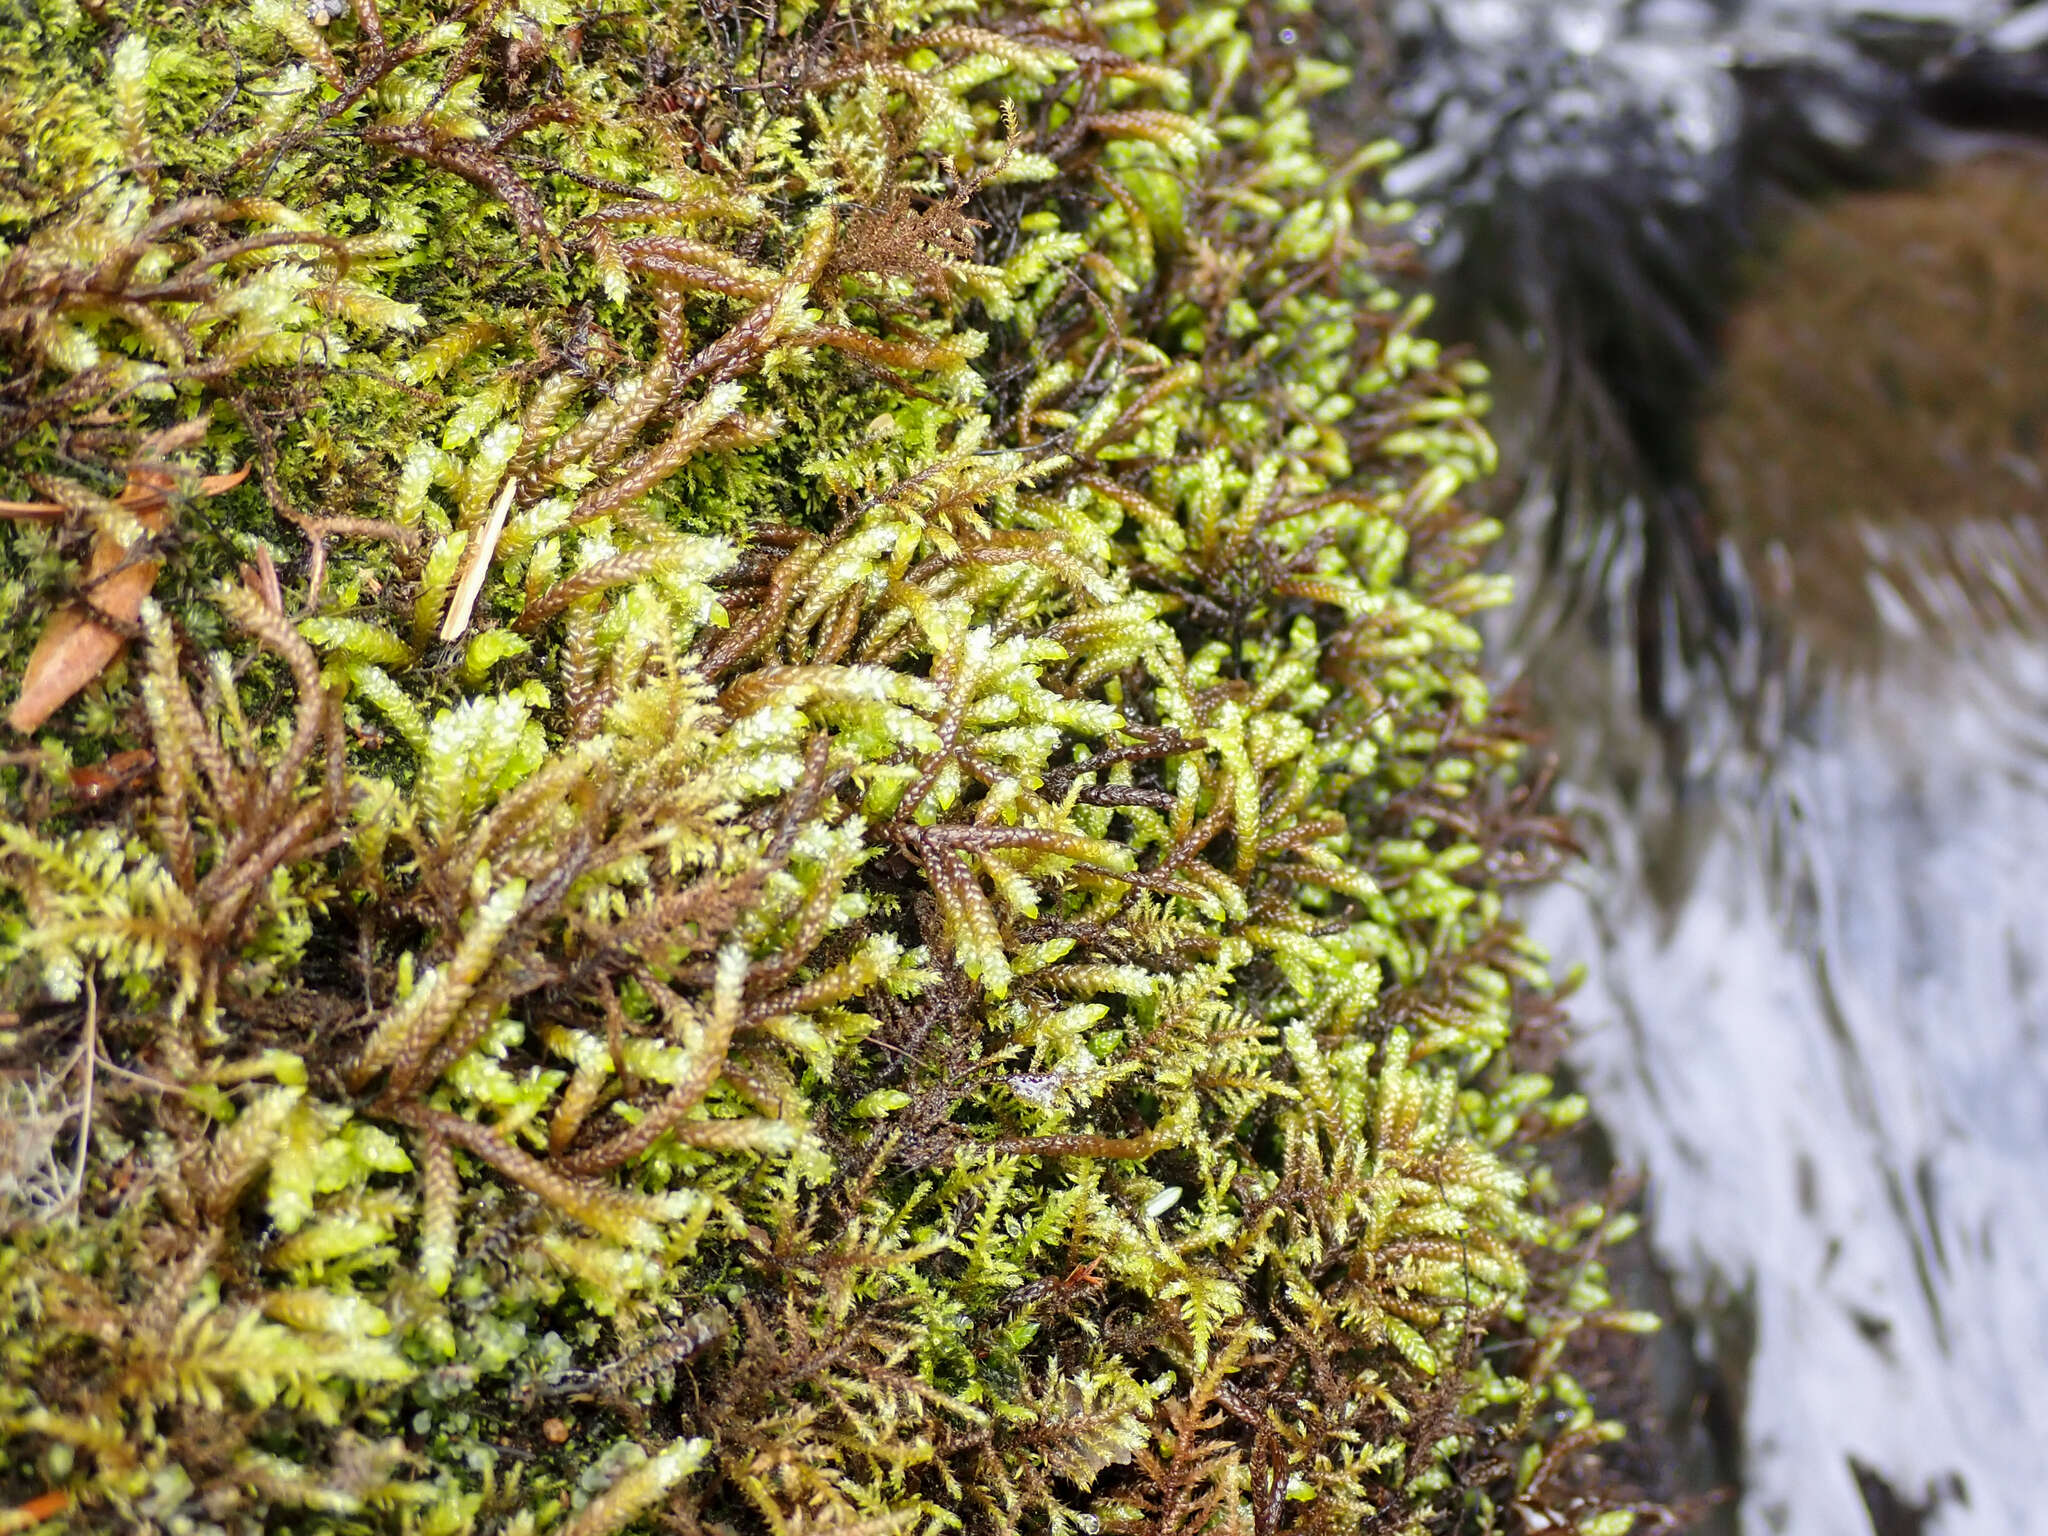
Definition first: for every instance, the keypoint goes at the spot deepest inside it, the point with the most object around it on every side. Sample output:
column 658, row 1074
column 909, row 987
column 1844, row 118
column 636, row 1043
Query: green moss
column 919, row 945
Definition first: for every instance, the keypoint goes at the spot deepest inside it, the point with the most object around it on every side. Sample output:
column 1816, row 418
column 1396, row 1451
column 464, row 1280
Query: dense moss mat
column 817, row 851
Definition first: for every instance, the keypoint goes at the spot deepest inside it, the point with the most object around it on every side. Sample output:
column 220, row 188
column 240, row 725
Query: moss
column 818, row 850
column 1933, row 457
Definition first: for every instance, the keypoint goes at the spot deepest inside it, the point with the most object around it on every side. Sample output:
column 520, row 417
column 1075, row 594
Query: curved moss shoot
column 751, row 793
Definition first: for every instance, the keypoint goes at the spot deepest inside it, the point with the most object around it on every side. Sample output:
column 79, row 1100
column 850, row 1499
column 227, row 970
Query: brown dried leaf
column 77, row 644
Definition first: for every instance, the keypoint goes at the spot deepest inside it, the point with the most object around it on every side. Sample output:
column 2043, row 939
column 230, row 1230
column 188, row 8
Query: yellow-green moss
column 929, row 950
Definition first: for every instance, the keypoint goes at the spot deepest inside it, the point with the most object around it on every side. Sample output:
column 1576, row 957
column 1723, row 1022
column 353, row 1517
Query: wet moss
column 818, row 848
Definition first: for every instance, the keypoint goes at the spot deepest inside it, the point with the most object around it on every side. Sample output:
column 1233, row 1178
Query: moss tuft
column 818, row 849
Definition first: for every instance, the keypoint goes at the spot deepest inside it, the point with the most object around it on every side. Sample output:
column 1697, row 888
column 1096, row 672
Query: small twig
column 89, row 1051
column 40, row 511
column 479, row 565
column 143, row 1079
